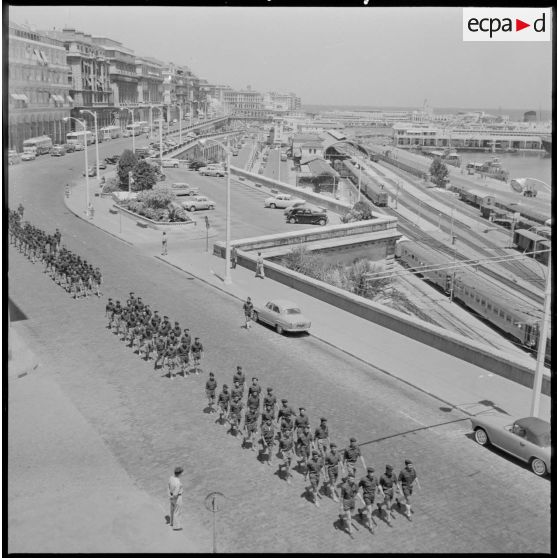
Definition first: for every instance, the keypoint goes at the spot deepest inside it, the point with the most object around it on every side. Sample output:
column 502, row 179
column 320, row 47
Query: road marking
column 412, row 418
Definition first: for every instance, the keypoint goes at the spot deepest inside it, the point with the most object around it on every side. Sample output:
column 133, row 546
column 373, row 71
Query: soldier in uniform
column 349, row 490
column 388, row 484
column 369, row 485
column 332, row 461
column 313, row 469
column 251, row 426
column 210, row 387
column 350, row 456
column 407, row 478
column 268, row 438
column 223, row 402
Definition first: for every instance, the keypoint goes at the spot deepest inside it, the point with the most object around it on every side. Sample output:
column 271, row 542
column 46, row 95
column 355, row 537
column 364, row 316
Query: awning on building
column 58, row 98
column 19, row 97
column 69, row 99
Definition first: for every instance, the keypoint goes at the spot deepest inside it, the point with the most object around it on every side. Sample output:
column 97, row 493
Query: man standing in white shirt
column 175, row 495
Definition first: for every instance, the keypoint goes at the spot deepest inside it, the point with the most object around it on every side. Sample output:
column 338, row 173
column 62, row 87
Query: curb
column 95, row 225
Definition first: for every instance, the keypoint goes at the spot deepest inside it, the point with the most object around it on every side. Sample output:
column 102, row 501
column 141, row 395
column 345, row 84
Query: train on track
column 373, row 190
column 516, row 319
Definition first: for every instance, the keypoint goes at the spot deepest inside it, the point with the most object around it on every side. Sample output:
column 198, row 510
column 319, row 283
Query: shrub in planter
column 164, row 215
column 158, row 198
column 181, row 215
column 150, row 213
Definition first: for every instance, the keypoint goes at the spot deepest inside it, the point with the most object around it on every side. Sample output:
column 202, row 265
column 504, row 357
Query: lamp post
column 131, row 110
column 94, row 114
column 179, row 125
column 227, row 150
column 160, row 135
column 86, row 160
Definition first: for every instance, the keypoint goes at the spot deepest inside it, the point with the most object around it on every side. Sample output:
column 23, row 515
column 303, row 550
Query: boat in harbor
column 492, row 168
column 547, row 144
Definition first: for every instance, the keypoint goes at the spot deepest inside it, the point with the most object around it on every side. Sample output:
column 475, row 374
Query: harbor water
column 519, row 165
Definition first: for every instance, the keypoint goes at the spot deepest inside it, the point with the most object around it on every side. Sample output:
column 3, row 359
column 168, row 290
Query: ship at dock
column 547, row 144
column 492, row 168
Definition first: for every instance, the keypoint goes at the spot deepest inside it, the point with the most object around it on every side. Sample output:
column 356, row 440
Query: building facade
column 38, row 89
column 150, row 80
column 88, row 76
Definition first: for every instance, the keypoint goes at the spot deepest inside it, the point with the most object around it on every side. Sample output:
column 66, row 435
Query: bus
column 109, row 132
column 80, row 136
column 38, row 145
column 138, row 128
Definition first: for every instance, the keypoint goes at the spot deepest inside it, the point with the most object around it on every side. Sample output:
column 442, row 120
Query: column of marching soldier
column 67, row 269
column 316, row 456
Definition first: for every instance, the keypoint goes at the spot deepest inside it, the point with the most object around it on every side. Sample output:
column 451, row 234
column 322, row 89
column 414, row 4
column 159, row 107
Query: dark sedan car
column 112, row 159
column 307, row 215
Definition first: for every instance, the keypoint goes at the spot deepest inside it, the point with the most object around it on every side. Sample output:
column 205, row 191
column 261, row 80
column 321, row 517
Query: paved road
column 149, row 422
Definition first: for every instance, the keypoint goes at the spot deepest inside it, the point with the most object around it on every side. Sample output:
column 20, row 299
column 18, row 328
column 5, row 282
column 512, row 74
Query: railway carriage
column 369, row 187
column 519, row 320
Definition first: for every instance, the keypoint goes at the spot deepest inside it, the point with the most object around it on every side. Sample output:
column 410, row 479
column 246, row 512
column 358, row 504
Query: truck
column 38, row 145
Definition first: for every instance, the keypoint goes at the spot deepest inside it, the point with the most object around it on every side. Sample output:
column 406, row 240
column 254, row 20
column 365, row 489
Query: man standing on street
column 248, row 311
column 175, row 496
column 164, row 244
column 234, row 257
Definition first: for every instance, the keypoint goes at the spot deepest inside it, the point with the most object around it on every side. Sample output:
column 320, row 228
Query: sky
column 337, row 56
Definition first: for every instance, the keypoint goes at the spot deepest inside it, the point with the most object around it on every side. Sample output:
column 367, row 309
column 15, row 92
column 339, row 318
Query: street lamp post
column 227, row 280
column 86, row 160
column 179, row 125
column 131, row 110
column 94, row 114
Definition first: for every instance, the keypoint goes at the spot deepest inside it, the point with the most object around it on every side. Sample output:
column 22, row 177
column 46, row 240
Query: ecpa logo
column 507, row 24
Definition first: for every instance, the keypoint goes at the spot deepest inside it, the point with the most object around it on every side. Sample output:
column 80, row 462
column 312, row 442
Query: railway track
column 514, row 268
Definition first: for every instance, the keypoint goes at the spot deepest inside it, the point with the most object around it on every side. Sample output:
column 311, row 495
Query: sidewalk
column 452, row 381
column 67, row 492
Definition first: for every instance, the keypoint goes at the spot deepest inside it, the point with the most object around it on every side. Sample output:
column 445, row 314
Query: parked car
column 283, row 315
column 69, row 147
column 171, row 142
column 281, row 201
column 211, row 171
column 307, row 215
column 91, row 171
column 102, row 165
column 57, row 150
column 235, row 152
column 196, row 165
column 112, row 159
column 260, row 170
column 196, row 203
column 294, row 205
column 28, row 156
column 527, row 439
column 172, row 163
column 78, row 147
column 13, row 157
column 184, row 189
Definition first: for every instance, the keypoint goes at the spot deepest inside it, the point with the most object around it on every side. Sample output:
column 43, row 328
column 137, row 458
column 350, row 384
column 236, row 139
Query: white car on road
column 28, row 156
column 283, row 315
column 211, row 171
column 281, row 201
column 195, row 203
column 170, row 163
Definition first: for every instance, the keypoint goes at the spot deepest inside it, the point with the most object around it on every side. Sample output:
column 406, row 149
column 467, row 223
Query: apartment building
column 38, row 90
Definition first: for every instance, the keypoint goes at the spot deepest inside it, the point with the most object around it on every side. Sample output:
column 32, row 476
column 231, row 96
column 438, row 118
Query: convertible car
column 527, row 439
